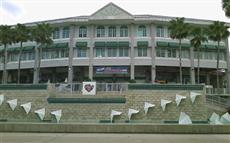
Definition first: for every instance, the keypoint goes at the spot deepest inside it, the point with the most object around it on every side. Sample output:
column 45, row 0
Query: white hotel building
column 112, row 45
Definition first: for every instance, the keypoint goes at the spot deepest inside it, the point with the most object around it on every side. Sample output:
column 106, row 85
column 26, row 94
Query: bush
column 132, row 81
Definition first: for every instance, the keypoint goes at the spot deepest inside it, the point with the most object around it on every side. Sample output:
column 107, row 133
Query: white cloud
column 37, row 10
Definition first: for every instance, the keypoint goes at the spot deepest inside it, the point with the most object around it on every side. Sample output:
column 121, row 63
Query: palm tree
column 218, row 32
column 226, row 7
column 6, row 38
column 179, row 30
column 199, row 36
column 22, row 35
column 41, row 34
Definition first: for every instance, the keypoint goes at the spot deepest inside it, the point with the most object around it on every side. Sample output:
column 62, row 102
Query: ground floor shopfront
column 118, row 74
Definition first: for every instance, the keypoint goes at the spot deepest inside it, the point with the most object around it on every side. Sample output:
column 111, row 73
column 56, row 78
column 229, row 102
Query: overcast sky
column 22, row 11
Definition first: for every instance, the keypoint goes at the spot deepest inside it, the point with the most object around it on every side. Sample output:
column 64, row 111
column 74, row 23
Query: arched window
column 123, row 31
column 100, row 31
column 82, row 31
column 65, row 32
column 112, row 31
column 142, row 31
column 160, row 31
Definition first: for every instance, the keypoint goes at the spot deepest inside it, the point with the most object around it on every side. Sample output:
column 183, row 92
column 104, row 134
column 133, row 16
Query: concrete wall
column 94, row 112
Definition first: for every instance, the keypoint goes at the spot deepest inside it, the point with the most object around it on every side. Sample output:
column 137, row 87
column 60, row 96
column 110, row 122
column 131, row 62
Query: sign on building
column 112, row 70
column 89, row 88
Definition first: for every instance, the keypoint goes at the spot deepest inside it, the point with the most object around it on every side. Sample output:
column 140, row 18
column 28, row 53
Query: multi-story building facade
column 113, row 45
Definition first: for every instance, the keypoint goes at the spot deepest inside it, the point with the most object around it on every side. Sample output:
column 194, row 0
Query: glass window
column 82, row 31
column 112, row 52
column 222, row 56
column 54, row 54
column 31, row 55
column 171, row 53
column 161, row 52
column 24, row 56
column 123, row 52
column 65, row 32
column 100, row 52
column 81, row 52
column 100, row 31
column 112, row 31
column 13, row 57
column 160, row 31
column 142, row 31
column 123, row 31
column 46, row 55
column 56, row 33
column 64, row 53
column 142, row 52
column 185, row 54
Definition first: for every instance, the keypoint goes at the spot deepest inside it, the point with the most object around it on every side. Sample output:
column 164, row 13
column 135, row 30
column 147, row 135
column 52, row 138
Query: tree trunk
column 198, row 65
column 19, row 63
column 35, row 79
column 180, row 62
column 217, row 69
column 39, row 62
column 4, row 74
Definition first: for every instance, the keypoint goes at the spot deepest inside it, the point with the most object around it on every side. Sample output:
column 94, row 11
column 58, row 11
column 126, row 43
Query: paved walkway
column 112, row 138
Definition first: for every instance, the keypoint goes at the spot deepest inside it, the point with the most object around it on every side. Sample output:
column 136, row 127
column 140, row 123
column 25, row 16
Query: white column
column 91, row 45
column 153, row 52
column 71, row 45
column 132, row 52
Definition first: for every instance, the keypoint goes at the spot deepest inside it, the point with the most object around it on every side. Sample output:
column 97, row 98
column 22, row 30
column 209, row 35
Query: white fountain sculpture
column 225, row 118
column 26, row 107
column 12, row 103
column 1, row 99
column 193, row 96
column 41, row 113
column 57, row 114
column 131, row 112
column 164, row 103
column 179, row 98
column 114, row 113
column 147, row 106
column 184, row 119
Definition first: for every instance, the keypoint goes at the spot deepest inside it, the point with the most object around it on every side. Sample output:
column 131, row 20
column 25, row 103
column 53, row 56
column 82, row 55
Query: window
column 185, row 54
column 100, row 31
column 161, row 52
column 64, row 53
column 142, row 52
column 56, row 34
column 100, row 52
column 45, row 55
column 171, row 53
column 112, row 31
column 82, row 31
column 13, row 57
column 142, row 31
column 65, row 32
column 54, row 54
column 222, row 55
column 24, row 56
column 123, row 52
column 81, row 52
column 112, row 52
column 160, row 31
column 31, row 56
column 123, row 31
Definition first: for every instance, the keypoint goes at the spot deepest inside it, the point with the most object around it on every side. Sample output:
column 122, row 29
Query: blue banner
column 112, row 70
